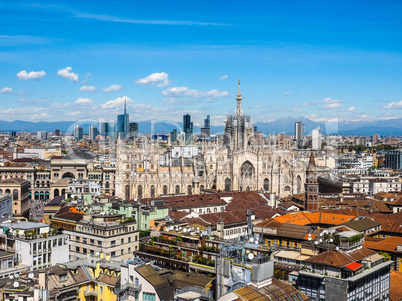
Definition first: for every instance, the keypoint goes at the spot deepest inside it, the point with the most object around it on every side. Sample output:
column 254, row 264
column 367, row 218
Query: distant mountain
column 391, row 127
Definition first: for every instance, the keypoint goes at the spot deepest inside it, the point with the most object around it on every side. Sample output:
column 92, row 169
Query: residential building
column 316, row 139
column 111, row 233
column 41, row 135
column 336, row 275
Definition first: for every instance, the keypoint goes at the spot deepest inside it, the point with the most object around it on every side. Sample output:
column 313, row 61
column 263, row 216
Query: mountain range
column 382, row 127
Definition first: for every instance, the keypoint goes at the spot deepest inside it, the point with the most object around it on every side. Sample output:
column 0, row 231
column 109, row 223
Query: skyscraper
column 78, row 132
column 316, row 139
column 299, row 133
column 133, row 130
column 123, row 124
column 93, row 132
column 187, row 127
column 107, row 129
column 206, row 130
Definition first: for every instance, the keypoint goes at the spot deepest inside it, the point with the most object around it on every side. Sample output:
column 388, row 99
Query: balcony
column 128, row 289
column 90, row 292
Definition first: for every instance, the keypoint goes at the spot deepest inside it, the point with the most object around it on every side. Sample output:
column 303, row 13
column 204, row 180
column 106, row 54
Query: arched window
column 107, row 185
column 8, row 191
column 165, row 189
column 152, row 191
column 189, row 189
column 177, row 189
column 299, row 184
column 139, row 194
column 287, row 188
column 228, row 185
column 127, row 192
column 202, row 187
column 56, row 192
column 266, row 184
column 15, row 194
column 63, row 192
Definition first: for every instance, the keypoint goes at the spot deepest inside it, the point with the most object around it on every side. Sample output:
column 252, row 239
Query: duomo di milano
column 241, row 161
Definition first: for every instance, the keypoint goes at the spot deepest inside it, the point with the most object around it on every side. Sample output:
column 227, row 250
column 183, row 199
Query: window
column 113, row 243
column 129, row 239
column 148, row 296
column 62, row 278
column 122, row 241
column 101, row 289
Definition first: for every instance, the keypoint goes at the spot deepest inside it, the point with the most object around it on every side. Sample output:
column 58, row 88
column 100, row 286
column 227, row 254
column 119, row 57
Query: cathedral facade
column 242, row 161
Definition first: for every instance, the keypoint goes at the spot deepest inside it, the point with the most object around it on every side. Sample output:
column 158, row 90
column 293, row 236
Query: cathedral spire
column 239, row 98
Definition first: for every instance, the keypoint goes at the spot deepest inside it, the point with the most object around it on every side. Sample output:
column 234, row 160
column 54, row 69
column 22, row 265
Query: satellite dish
column 180, row 228
column 331, row 240
column 316, row 242
column 193, row 228
column 16, row 284
column 321, row 240
column 17, row 275
column 251, row 256
column 30, row 275
column 11, row 276
column 309, row 238
column 97, row 253
column 321, row 234
column 337, row 248
column 251, row 239
column 185, row 230
column 198, row 228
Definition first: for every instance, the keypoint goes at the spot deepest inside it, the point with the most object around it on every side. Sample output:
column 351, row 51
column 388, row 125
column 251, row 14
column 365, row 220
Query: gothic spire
column 239, row 98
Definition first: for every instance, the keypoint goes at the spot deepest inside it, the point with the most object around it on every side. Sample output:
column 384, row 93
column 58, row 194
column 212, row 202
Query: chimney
column 42, row 280
column 272, row 200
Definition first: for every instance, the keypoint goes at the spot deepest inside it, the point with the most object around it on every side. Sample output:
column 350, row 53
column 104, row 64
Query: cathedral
column 241, row 161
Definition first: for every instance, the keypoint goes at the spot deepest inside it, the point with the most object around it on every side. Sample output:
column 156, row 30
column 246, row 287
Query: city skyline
column 319, row 61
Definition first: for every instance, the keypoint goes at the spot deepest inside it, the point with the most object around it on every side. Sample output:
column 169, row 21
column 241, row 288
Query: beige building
column 19, row 190
column 242, row 161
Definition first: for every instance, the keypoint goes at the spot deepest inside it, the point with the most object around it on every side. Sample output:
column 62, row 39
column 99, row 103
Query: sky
column 78, row 60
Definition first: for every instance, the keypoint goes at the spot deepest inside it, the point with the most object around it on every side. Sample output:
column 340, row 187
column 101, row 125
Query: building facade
column 241, row 162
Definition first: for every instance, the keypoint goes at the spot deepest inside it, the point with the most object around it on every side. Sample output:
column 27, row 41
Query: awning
column 354, row 266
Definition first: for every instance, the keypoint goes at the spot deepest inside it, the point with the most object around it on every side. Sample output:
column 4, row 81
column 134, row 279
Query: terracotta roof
column 178, row 215
column 330, row 257
column 69, row 213
column 188, row 201
column 395, row 292
column 307, row 218
column 387, row 245
column 364, row 204
column 361, row 253
column 397, row 202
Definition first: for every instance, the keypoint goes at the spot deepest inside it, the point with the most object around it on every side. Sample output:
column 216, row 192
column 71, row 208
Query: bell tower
column 311, row 187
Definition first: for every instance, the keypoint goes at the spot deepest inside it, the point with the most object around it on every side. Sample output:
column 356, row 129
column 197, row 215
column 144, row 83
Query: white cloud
column 88, row 89
column 223, row 77
column 286, row 93
column 6, row 90
column 116, row 103
column 41, row 116
column 23, row 75
column 112, row 88
column 334, row 105
column 83, row 101
column 67, row 74
column 394, row 105
column 178, row 92
column 351, row 109
column 155, row 79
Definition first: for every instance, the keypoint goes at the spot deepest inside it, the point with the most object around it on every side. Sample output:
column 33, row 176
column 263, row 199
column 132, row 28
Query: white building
column 41, row 135
column 35, row 245
column 316, row 139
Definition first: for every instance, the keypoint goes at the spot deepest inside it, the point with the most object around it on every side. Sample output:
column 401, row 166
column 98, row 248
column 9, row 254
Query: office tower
column 393, row 159
column 206, row 130
column 255, row 129
column 187, row 127
column 93, row 132
column 57, row 132
column 173, row 135
column 13, row 134
column 123, row 124
column 316, row 139
column 299, row 133
column 133, row 130
column 107, row 130
column 78, row 132
column 42, row 135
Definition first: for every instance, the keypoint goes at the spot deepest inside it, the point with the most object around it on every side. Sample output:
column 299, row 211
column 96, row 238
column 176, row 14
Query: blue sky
column 77, row 60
